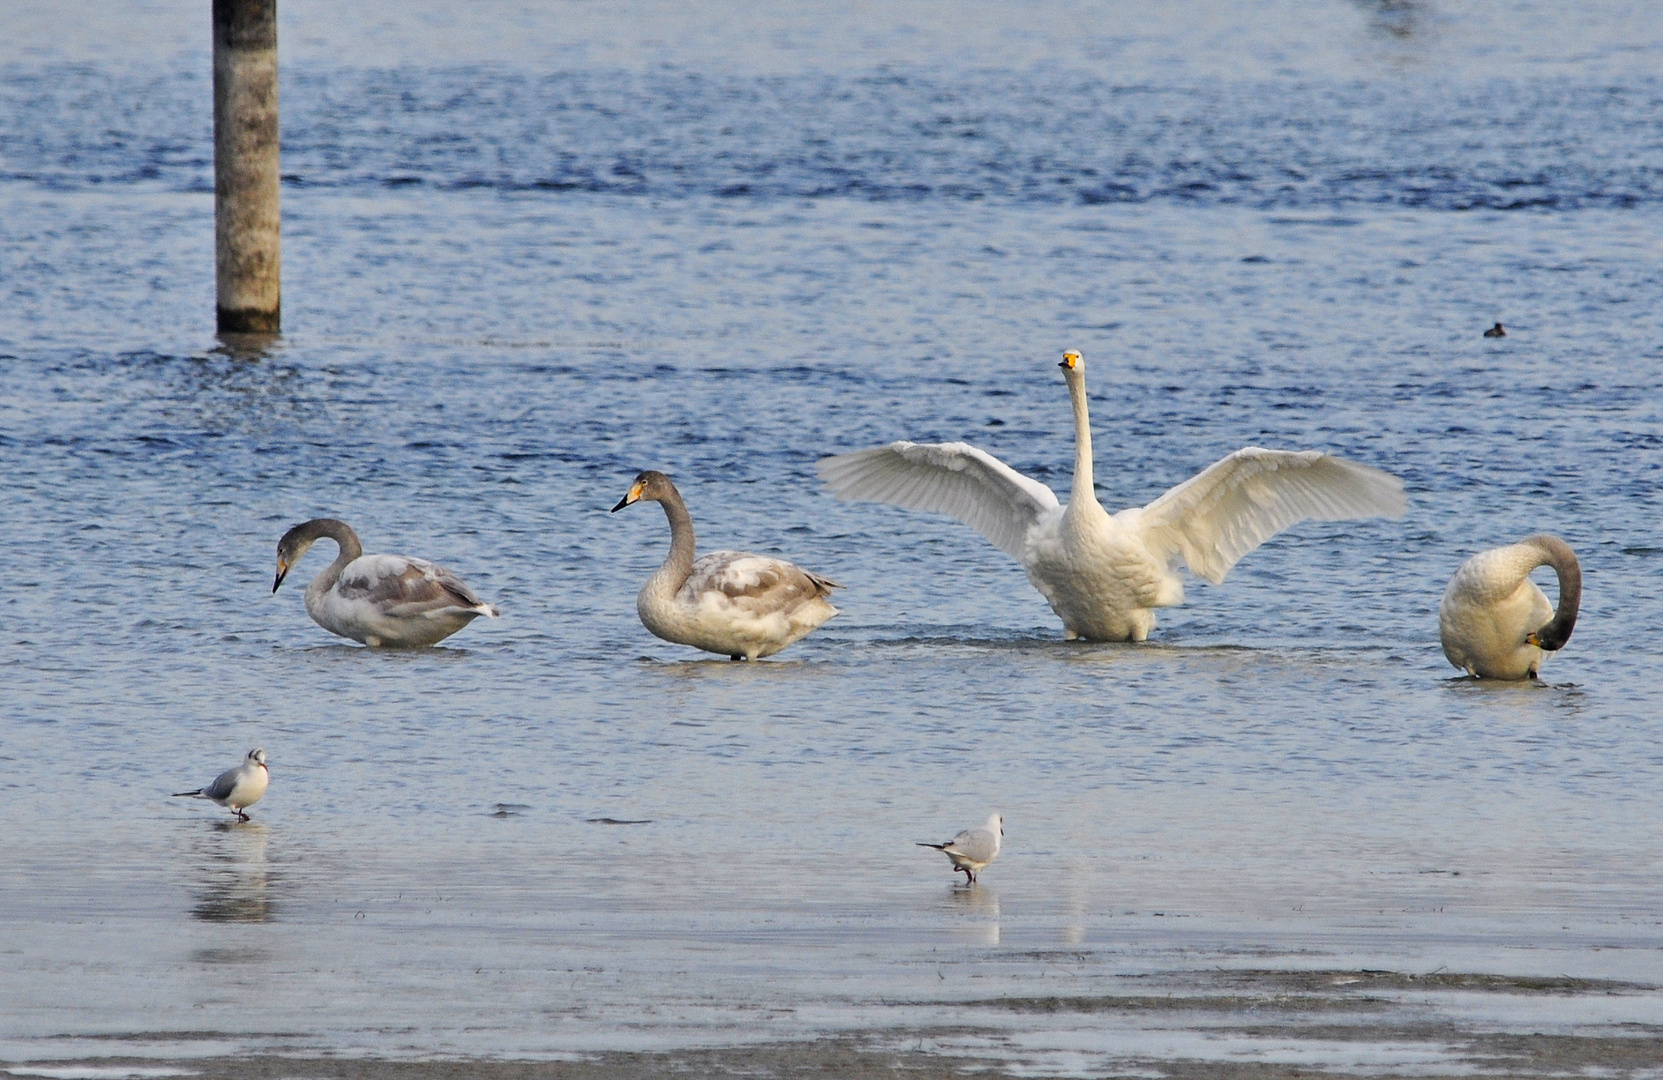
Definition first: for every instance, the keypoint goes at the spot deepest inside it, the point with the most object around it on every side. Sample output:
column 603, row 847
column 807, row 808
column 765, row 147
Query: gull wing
column 224, row 784
column 1239, row 502
column 946, row 478
column 977, row 844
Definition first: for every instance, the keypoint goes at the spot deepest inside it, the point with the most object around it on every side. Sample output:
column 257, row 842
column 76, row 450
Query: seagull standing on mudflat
column 972, row 849
column 236, row 789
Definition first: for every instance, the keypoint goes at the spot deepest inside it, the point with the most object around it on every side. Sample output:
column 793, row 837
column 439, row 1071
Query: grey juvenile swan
column 1105, row 574
column 381, row 600
column 729, row 602
column 1495, row 622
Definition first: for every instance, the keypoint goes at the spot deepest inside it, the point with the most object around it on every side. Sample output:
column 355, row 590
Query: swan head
column 295, row 544
column 287, row 557
column 1072, row 361
column 650, row 485
column 1550, row 638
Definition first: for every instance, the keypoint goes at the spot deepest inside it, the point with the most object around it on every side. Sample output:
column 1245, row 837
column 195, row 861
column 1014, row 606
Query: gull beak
column 634, row 495
column 282, row 572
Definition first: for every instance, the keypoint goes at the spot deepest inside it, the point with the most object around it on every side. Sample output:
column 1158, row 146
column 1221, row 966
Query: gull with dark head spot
column 381, row 600
column 972, row 849
column 729, row 602
column 236, row 789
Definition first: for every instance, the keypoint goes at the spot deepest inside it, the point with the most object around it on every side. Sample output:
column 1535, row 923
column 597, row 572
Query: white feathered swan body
column 1495, row 623
column 732, row 603
column 380, row 600
column 1105, row 574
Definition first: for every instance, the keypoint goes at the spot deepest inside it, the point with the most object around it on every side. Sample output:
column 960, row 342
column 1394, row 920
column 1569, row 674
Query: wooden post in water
column 247, row 221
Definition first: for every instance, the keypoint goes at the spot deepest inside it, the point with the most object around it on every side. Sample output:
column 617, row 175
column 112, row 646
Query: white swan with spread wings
column 1105, row 574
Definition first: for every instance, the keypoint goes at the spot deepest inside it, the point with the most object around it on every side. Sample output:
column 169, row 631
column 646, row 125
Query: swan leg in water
column 1104, row 574
column 973, row 848
column 380, row 600
column 1495, row 623
column 732, row 603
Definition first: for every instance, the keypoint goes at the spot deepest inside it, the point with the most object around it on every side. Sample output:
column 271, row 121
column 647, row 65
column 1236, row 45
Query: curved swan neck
column 1558, row 554
column 301, row 538
column 1083, row 488
column 678, row 564
column 344, row 537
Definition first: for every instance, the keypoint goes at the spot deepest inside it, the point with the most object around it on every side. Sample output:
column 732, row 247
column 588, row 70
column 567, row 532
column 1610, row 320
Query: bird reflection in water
column 234, row 878
column 1401, row 20
column 976, row 912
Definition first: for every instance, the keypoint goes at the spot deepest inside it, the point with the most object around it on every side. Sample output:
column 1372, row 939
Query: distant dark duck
column 1495, row 331
column 1495, row 623
column 380, row 600
column 729, row 602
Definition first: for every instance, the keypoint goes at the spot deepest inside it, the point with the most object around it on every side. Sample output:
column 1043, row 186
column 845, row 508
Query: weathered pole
column 247, row 220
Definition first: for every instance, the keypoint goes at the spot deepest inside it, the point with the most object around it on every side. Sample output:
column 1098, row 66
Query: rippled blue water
column 1048, row 137
column 509, row 286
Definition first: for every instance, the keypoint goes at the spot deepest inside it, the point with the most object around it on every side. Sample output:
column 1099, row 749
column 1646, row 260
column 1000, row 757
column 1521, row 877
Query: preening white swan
column 1105, row 574
column 729, row 602
column 380, row 600
column 1495, row 623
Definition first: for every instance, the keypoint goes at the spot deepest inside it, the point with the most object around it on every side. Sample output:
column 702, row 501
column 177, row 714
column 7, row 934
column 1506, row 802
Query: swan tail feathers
column 823, row 584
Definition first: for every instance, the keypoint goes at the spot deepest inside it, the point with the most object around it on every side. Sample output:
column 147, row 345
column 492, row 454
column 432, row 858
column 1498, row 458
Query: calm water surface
column 526, row 258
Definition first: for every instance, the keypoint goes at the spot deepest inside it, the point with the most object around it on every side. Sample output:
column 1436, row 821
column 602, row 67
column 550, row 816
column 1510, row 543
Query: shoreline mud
column 1215, row 1025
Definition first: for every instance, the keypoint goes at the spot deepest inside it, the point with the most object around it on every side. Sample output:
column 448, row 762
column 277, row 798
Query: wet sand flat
column 1237, row 1025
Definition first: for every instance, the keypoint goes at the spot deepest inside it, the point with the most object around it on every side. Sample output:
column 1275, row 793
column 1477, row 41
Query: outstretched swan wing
column 947, row 478
column 1236, row 504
